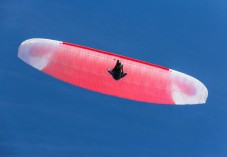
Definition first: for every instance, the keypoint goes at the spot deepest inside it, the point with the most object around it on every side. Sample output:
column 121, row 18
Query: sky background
column 43, row 117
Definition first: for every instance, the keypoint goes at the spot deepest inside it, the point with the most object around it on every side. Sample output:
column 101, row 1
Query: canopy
column 87, row 67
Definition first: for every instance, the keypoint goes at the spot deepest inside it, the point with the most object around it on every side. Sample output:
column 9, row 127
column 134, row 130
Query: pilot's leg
column 122, row 68
column 110, row 71
column 123, row 75
column 118, row 63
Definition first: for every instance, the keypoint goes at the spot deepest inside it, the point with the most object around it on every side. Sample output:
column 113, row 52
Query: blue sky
column 42, row 116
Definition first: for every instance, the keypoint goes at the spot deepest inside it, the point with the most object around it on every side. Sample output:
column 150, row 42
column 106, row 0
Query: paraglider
column 117, row 71
column 140, row 81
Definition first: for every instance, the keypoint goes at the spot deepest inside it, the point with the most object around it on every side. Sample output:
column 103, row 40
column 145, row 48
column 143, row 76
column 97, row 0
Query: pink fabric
column 87, row 68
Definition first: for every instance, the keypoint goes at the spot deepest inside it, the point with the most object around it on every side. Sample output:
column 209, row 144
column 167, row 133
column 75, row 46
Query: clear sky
column 44, row 117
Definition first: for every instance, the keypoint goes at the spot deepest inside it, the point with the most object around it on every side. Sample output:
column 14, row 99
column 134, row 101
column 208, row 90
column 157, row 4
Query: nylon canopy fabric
column 87, row 68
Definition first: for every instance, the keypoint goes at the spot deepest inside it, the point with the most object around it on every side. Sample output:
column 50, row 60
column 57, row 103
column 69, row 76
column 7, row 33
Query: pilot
column 117, row 72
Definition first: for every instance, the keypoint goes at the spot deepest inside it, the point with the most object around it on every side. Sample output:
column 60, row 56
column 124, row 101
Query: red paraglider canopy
column 87, row 68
